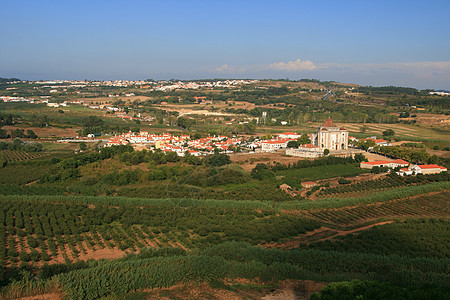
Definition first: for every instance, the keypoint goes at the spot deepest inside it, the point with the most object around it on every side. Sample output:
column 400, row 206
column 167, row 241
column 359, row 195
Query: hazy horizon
column 379, row 44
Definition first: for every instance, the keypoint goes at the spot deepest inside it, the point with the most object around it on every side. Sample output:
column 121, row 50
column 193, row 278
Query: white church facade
column 328, row 136
column 331, row 137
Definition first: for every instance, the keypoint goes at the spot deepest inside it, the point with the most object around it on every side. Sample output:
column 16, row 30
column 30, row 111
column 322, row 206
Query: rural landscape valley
column 225, row 150
column 108, row 191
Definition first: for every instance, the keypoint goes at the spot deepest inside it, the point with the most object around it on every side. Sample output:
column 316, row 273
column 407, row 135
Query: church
column 331, row 137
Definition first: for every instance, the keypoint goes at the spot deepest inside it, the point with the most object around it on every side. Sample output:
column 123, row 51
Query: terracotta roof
column 431, row 167
column 400, row 161
column 309, row 146
column 378, row 162
column 329, row 123
column 379, row 141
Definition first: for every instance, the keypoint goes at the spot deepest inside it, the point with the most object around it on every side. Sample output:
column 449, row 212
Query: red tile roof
column 378, row 162
column 400, row 162
column 431, row 167
column 309, row 146
column 329, row 123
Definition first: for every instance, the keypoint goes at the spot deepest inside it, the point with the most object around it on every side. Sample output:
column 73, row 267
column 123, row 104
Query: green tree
column 388, row 133
column 83, row 146
column 31, row 134
column 304, row 139
column 292, row 144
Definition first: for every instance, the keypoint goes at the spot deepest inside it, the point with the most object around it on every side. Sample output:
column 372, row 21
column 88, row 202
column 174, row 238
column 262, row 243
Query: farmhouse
column 288, row 135
column 273, row 145
column 422, row 169
column 384, row 163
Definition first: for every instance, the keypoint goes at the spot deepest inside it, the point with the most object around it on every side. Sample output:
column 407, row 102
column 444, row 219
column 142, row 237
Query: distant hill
column 6, row 80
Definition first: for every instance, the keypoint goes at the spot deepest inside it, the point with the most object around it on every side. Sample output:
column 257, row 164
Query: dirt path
column 347, row 232
column 333, row 233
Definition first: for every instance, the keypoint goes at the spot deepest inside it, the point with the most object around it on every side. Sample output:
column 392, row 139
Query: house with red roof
column 384, row 163
column 422, row 169
column 288, row 135
column 272, row 145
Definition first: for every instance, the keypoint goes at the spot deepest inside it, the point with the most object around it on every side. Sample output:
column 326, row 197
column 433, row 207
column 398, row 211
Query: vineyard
column 389, row 182
column 411, row 238
column 13, row 155
column 433, row 206
column 18, row 174
column 33, row 233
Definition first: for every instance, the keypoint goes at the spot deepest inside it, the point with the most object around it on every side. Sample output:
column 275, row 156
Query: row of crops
column 36, row 232
column 13, row 155
column 435, row 206
column 414, row 238
column 388, row 182
column 239, row 260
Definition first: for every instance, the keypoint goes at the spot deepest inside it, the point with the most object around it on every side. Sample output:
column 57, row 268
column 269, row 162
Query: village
column 329, row 139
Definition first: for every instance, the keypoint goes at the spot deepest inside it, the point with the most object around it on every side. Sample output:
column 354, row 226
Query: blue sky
column 403, row 43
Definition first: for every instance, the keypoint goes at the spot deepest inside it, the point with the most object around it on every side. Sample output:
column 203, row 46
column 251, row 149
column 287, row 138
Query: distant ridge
column 6, row 80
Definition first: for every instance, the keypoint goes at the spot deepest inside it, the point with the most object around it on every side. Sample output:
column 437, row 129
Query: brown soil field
column 48, row 131
column 49, row 296
column 105, row 253
column 287, row 289
column 249, row 161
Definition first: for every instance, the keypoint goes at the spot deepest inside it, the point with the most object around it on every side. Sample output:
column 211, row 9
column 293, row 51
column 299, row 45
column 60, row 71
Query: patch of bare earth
column 295, row 290
column 239, row 289
column 249, row 161
column 49, row 131
column 106, row 253
column 49, row 296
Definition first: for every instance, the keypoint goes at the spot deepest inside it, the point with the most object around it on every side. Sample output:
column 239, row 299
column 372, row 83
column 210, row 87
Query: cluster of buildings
column 178, row 144
column 153, row 85
column 328, row 136
column 15, row 99
column 193, row 85
column 378, row 142
column 405, row 167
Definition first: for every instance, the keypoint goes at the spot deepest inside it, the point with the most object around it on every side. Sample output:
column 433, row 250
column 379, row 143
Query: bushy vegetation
column 374, row 290
column 408, row 238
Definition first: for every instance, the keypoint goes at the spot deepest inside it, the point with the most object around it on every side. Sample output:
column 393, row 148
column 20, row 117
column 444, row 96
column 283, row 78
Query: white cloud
column 229, row 69
column 298, row 65
column 224, row 68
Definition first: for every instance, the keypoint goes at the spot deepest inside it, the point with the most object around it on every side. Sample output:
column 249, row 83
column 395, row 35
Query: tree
column 31, row 134
column 185, row 123
column 304, row 139
column 434, row 159
column 388, row 133
column 365, row 144
column 92, row 121
column 83, row 146
column 326, row 152
column 4, row 134
column 217, row 160
column 360, row 158
column 292, row 144
column 261, row 172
